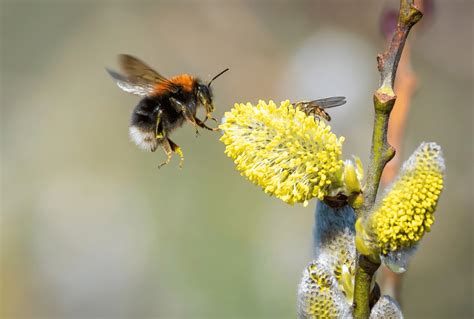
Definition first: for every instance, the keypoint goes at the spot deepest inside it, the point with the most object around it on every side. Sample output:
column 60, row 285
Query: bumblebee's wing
column 139, row 71
column 132, row 85
column 328, row 102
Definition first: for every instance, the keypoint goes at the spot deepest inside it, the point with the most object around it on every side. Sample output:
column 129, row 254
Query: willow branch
column 384, row 99
column 381, row 151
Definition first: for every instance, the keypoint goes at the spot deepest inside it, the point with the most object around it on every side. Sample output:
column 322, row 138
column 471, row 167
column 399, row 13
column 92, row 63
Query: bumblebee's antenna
column 209, row 84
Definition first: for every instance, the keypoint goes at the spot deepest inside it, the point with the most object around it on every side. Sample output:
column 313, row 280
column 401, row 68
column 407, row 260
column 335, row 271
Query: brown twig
column 381, row 151
column 406, row 84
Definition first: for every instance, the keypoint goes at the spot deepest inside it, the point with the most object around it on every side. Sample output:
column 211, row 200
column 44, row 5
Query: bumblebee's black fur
column 145, row 114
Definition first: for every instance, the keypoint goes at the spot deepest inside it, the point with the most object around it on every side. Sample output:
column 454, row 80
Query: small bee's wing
column 328, row 102
column 132, row 85
column 139, row 71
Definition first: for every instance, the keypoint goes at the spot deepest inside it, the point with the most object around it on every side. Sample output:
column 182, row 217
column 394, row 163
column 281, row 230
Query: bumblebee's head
column 204, row 93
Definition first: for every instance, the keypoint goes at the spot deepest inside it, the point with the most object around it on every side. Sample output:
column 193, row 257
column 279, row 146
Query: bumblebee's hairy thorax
column 185, row 81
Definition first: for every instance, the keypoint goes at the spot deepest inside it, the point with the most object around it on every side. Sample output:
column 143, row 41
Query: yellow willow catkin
column 406, row 211
column 290, row 154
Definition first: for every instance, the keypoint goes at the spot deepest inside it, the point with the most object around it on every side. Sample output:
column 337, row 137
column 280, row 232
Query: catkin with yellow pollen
column 291, row 155
column 406, row 212
column 319, row 295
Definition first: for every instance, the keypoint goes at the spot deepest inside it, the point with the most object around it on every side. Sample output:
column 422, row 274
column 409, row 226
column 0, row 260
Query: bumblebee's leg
column 201, row 124
column 168, row 151
column 180, row 107
column 159, row 132
column 209, row 117
column 177, row 150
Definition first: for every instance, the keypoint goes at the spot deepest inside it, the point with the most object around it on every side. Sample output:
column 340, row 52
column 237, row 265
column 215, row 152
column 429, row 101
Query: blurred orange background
column 90, row 228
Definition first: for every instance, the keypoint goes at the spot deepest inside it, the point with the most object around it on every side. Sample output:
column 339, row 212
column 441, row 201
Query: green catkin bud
column 351, row 181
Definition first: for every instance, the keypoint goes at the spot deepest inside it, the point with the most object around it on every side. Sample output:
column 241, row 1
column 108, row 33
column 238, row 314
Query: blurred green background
column 90, row 228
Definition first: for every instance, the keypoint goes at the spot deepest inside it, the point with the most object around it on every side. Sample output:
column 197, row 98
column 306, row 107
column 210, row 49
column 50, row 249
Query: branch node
column 384, row 100
column 413, row 16
column 367, row 265
column 390, row 153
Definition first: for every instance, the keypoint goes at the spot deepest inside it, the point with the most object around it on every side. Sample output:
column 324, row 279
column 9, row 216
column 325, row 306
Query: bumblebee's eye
column 204, row 94
column 201, row 97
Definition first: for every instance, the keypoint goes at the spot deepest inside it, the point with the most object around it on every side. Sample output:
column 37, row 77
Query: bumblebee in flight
column 166, row 104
